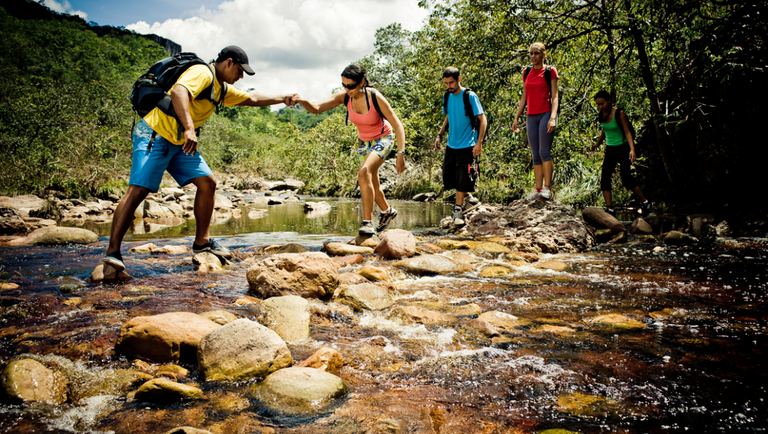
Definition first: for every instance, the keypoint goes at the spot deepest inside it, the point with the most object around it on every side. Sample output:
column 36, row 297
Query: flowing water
column 695, row 363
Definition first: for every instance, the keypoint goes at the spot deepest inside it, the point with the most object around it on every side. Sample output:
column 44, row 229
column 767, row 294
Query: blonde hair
column 541, row 48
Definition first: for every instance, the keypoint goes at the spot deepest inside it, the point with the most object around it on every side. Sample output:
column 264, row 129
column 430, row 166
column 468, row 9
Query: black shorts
column 460, row 170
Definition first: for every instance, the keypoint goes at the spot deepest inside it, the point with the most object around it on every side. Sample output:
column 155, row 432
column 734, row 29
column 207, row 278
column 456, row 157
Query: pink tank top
column 369, row 124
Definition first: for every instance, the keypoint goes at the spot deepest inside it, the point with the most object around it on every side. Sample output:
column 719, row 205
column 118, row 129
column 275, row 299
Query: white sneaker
column 534, row 195
column 546, row 193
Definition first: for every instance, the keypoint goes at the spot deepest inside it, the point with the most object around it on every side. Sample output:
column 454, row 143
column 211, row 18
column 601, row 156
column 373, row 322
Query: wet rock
column 343, row 261
column 276, row 201
column 326, row 359
column 288, row 316
column 449, row 244
column 723, row 229
column 170, row 250
column 220, row 317
column 484, row 327
column 165, row 210
column 207, row 262
column 426, row 312
column 428, row 248
column 57, row 236
column 366, row 241
column 341, row 249
column 491, row 248
column 591, row 406
column 6, row 286
column 28, row 380
column 496, row 271
column 11, row 222
column 222, row 202
column 107, row 273
column 641, row 227
column 300, row 392
column 521, row 256
column 162, row 390
column 86, row 384
column 425, row 197
column 309, row 275
column 675, row 237
column 242, row 349
column 503, row 320
column 286, row 184
column 187, row 430
column 350, row 279
column 619, row 238
column 552, row 265
column 615, row 320
column 27, row 205
column 432, row 264
column 168, row 337
column 144, row 248
column 373, row 274
column 396, row 244
column 317, row 208
column 555, row 330
column 603, row 235
column 291, row 248
column 365, row 296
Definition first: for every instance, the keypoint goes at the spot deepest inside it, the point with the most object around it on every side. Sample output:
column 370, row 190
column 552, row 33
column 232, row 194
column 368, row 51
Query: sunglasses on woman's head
column 351, row 85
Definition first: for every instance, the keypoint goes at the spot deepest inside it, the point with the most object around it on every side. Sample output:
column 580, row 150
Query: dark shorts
column 617, row 155
column 460, row 170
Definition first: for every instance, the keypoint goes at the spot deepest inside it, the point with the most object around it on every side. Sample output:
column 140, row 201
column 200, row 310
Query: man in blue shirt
column 465, row 143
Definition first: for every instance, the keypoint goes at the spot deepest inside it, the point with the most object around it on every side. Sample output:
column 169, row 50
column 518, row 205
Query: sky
column 293, row 45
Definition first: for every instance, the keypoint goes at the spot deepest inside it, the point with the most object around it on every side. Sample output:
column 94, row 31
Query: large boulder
column 55, row 236
column 309, row 275
column 28, row 380
column 300, row 392
column 242, row 349
column 288, row 316
column 545, row 225
column 432, row 264
column 396, row 244
column 168, row 337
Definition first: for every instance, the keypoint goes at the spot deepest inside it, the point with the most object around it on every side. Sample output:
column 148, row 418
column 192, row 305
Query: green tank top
column 614, row 135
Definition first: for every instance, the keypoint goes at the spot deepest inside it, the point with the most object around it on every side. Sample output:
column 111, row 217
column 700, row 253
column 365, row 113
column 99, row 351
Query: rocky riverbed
column 518, row 322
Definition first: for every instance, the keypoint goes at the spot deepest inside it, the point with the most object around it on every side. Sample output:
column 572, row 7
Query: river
column 694, row 359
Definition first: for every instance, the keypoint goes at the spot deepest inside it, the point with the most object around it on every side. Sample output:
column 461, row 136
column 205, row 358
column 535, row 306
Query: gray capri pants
column 539, row 139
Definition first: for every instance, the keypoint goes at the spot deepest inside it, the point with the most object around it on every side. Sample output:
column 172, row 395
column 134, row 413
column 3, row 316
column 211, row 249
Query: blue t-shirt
column 460, row 133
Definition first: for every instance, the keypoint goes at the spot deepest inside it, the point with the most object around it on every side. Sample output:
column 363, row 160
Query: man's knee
column 205, row 183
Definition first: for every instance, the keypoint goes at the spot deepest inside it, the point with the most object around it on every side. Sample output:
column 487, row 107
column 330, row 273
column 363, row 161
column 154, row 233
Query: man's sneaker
column 546, row 192
column 385, row 219
column 213, row 247
column 468, row 206
column 367, row 229
column 471, row 200
column 610, row 211
column 458, row 218
column 534, row 195
column 114, row 260
column 646, row 208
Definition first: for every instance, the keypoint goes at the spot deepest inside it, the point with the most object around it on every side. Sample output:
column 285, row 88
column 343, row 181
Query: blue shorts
column 382, row 147
column 148, row 167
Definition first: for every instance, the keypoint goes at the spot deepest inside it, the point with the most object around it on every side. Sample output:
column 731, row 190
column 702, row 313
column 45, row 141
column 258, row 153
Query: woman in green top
column 620, row 148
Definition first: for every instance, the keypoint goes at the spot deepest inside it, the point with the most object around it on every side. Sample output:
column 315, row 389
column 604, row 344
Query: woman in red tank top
column 375, row 139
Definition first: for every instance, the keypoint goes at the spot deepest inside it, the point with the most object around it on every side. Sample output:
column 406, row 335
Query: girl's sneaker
column 367, row 229
column 534, row 195
column 546, row 192
column 386, row 218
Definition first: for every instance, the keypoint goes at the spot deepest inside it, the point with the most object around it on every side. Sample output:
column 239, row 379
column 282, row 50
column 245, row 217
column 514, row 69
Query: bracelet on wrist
column 401, row 152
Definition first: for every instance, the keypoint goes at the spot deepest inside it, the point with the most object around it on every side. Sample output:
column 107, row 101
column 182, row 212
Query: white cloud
column 62, row 8
column 293, row 45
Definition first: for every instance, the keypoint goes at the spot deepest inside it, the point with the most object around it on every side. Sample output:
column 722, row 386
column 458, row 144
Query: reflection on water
column 343, row 218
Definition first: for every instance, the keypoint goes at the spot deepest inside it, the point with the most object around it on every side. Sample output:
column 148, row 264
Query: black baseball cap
column 237, row 55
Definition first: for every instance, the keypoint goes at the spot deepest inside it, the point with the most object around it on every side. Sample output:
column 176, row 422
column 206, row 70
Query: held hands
column 190, row 142
column 291, row 99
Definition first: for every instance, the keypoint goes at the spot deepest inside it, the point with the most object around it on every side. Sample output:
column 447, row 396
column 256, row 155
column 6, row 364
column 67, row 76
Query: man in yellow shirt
column 163, row 142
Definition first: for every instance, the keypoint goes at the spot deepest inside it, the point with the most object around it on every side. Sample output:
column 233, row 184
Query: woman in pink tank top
column 374, row 131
